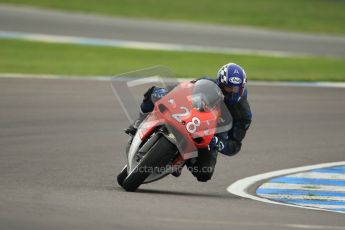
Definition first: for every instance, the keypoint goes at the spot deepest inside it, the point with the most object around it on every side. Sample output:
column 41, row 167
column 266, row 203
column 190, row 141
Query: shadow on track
column 178, row 193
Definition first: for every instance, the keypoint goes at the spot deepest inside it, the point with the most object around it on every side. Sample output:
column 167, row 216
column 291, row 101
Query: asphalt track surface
column 31, row 20
column 62, row 145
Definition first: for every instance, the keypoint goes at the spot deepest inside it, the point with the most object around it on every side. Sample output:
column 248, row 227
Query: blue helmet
column 232, row 80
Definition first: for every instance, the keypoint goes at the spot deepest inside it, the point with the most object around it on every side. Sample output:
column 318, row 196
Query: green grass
column 47, row 58
column 321, row 16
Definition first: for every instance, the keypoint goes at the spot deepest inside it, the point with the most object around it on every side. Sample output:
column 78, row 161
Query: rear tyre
column 160, row 154
column 122, row 176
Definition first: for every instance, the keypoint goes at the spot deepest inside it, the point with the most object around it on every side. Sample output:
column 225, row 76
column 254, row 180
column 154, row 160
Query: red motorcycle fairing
column 191, row 128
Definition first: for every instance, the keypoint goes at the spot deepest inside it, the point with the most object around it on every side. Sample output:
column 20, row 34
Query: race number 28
column 190, row 126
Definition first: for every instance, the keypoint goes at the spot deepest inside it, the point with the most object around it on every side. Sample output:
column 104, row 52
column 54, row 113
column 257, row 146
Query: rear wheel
column 160, row 154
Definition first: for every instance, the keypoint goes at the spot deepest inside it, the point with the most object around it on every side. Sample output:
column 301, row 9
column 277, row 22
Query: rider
column 231, row 79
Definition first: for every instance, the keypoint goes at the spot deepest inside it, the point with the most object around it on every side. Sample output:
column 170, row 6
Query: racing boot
column 178, row 171
column 132, row 129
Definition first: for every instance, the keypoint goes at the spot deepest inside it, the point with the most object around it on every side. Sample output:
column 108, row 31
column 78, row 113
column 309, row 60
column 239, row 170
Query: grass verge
column 318, row 16
column 47, row 58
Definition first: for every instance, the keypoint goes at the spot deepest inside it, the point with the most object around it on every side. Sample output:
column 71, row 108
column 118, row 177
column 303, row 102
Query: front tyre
column 160, row 155
column 122, row 176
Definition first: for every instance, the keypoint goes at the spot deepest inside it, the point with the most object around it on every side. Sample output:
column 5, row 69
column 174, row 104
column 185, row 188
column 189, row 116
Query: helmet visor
column 231, row 89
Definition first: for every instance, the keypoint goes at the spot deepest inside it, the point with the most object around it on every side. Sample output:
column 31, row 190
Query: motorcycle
column 181, row 123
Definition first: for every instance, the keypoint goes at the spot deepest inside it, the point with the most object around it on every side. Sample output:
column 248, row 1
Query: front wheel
column 122, row 176
column 160, row 155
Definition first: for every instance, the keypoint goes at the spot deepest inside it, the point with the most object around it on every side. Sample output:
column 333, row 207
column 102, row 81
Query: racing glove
column 216, row 144
column 158, row 93
column 222, row 144
column 152, row 95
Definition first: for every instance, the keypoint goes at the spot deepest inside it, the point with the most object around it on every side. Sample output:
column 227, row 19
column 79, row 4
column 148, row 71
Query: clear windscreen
column 130, row 87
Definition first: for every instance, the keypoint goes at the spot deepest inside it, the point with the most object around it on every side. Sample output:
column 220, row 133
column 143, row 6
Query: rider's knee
column 204, row 177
